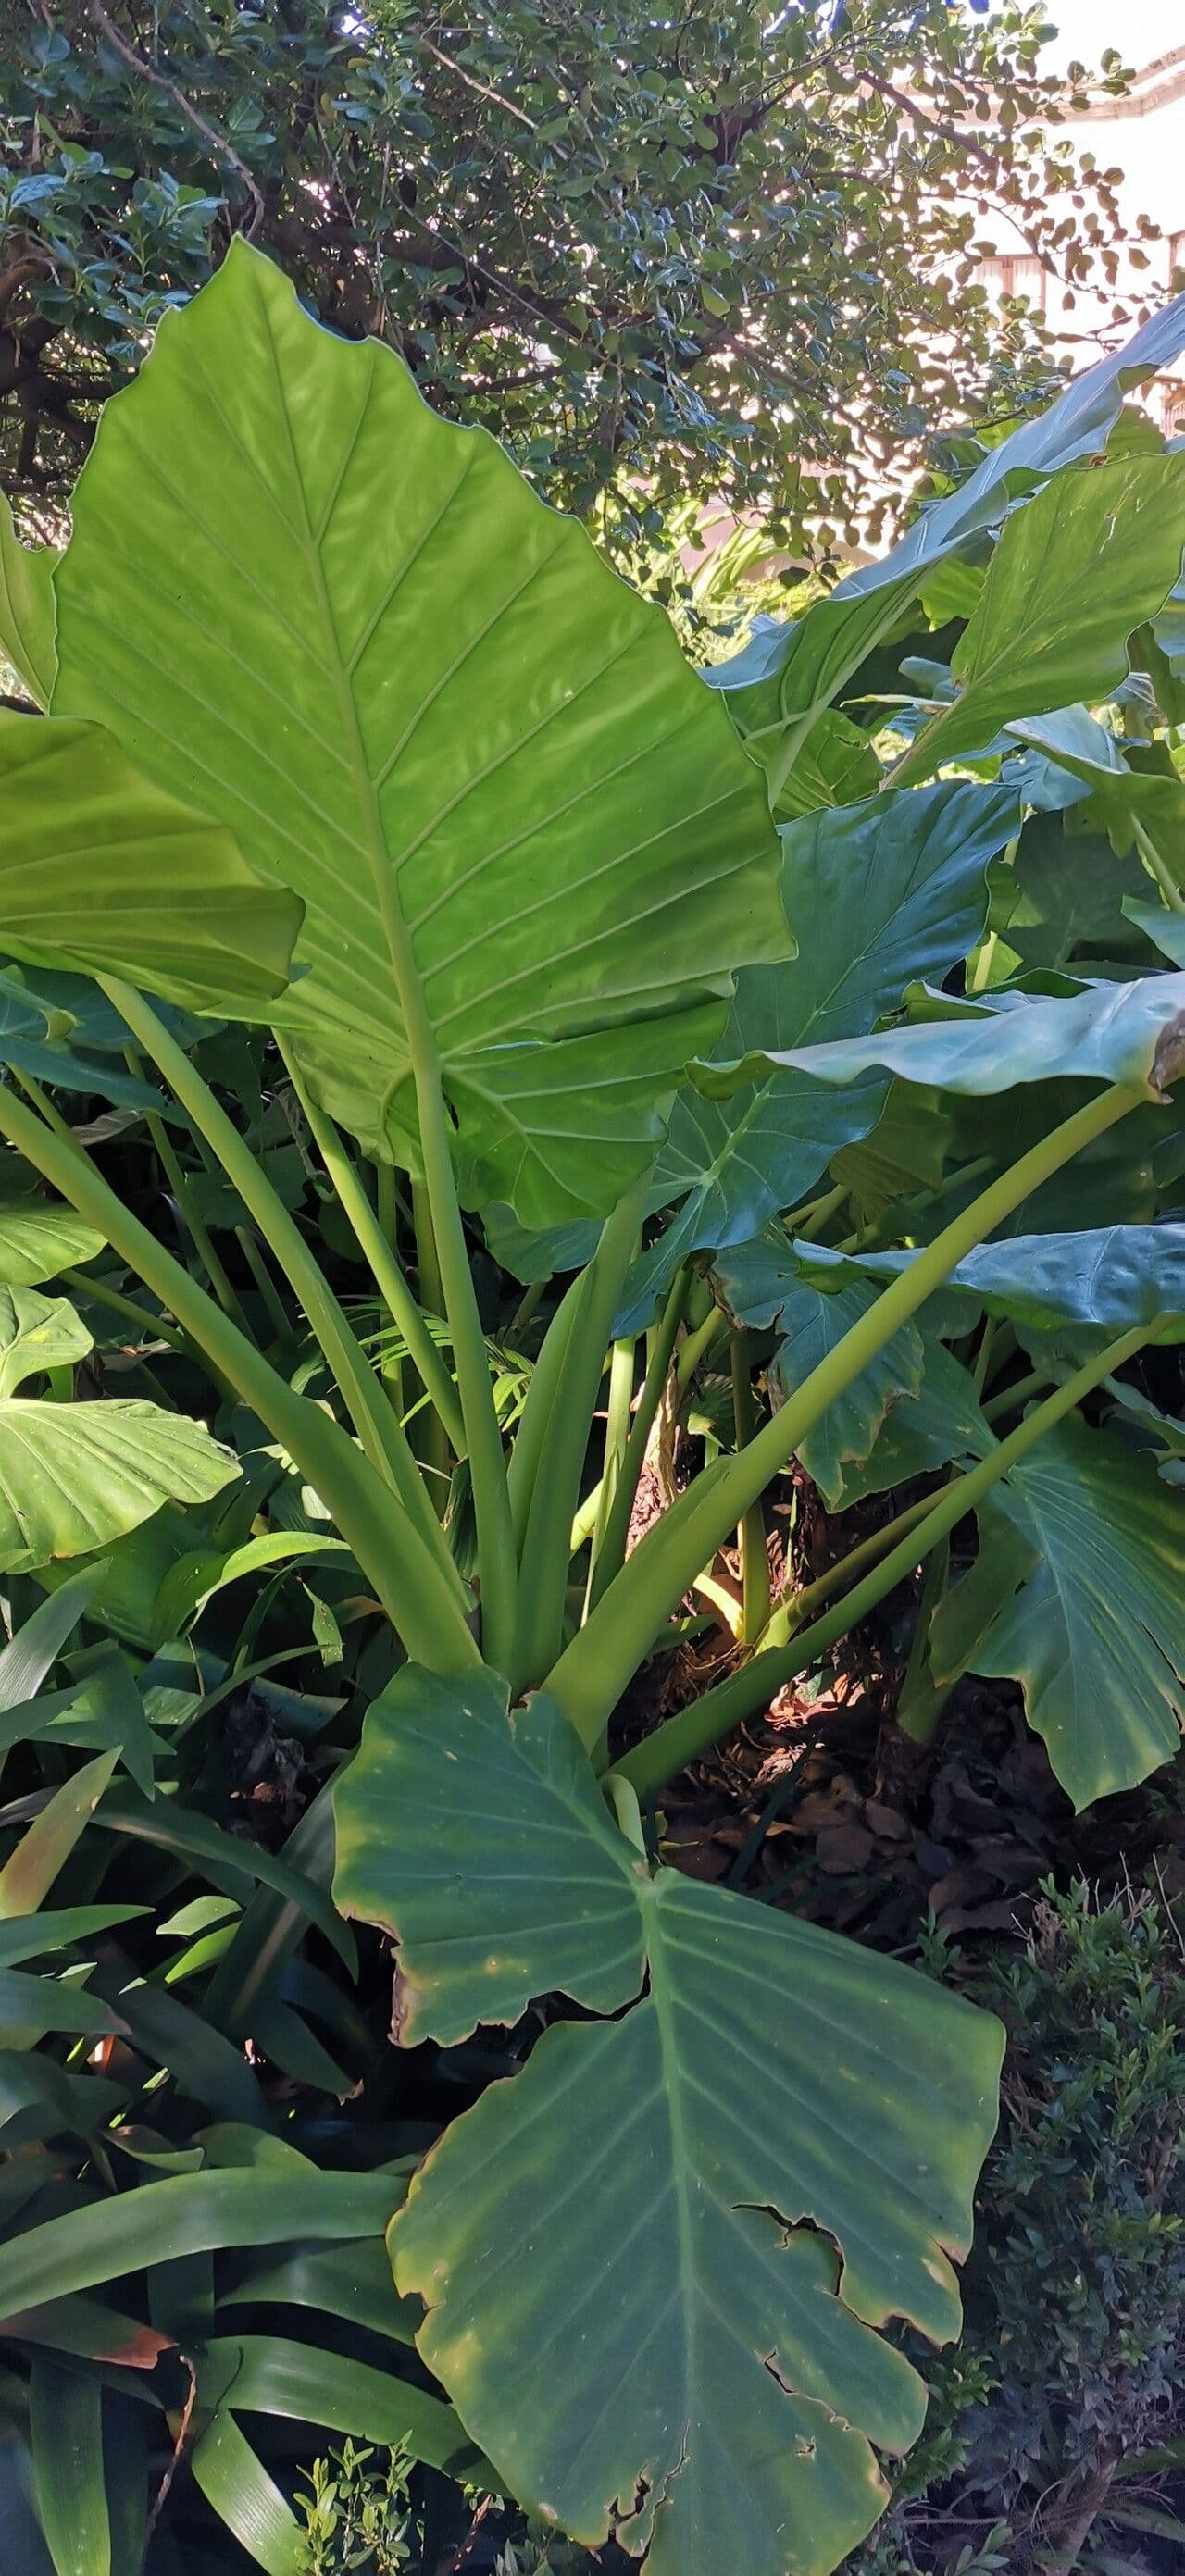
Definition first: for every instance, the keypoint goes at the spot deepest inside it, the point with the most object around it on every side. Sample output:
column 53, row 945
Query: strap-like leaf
column 66, row 2429
column 197, row 2213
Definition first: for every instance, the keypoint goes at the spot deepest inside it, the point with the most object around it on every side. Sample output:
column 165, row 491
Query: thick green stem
column 751, row 1538
column 191, row 1217
column 373, row 1242
column 684, row 1738
column 264, row 1282
column 431, row 1438
column 496, row 1555
column 418, row 1596
column 617, row 1432
column 541, row 1396
column 610, row 1555
column 564, row 1446
column 381, row 1436
column 154, row 1328
column 820, row 1215
column 1157, row 867
column 1012, row 1397
column 793, row 1612
column 696, row 1348
column 593, row 1671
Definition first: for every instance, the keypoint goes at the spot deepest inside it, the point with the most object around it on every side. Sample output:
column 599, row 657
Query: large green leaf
column 550, row 1877
column 1063, row 903
column 73, row 1476
column 37, row 1037
column 761, row 1284
column 809, row 660
column 1114, row 1033
column 1075, row 572
column 654, row 2262
column 877, row 894
column 1095, row 1633
column 26, row 608
column 38, row 1237
column 37, row 1333
column 1141, row 809
column 102, row 869
column 517, row 822
column 940, row 1424
column 914, row 1408
column 1165, row 929
column 1114, row 1275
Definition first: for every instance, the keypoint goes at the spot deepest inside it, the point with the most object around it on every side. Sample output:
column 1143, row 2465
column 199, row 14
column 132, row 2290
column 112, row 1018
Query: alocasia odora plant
column 350, row 736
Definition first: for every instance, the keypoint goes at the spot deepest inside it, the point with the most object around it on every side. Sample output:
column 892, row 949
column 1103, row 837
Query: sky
column 1139, row 29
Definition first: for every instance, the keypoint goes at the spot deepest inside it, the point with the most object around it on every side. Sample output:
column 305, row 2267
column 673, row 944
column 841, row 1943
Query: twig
column 178, row 2451
column 464, row 2547
column 222, row 150
column 483, row 91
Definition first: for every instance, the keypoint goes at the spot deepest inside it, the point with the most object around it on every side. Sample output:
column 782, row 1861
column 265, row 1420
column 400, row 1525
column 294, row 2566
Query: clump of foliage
column 629, row 243
column 357, row 2513
column 390, row 914
column 1084, row 2300
column 1073, row 2376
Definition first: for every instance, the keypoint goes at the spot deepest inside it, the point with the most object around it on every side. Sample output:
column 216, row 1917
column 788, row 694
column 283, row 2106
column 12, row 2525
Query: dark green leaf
column 66, row 2428
column 877, row 894
column 1115, row 1033
column 736, row 2445
column 1096, row 1632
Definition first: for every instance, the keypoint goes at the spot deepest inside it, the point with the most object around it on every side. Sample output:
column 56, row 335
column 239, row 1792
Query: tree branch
column 222, row 150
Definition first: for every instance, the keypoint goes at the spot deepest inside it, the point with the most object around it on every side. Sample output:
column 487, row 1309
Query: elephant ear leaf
column 26, row 608
column 685, row 2199
column 40, row 1237
column 37, row 1333
column 1075, row 572
column 878, row 894
column 1112, row 1275
column 73, row 1476
column 528, row 843
column 101, row 869
column 760, row 1285
column 1131, row 1034
column 1095, row 1633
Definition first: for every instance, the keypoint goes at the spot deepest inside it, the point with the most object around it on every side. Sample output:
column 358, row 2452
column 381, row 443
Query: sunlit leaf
column 516, row 820
column 1075, row 572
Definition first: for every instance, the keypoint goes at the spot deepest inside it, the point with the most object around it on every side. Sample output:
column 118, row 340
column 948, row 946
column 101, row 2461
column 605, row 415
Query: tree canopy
column 674, row 247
